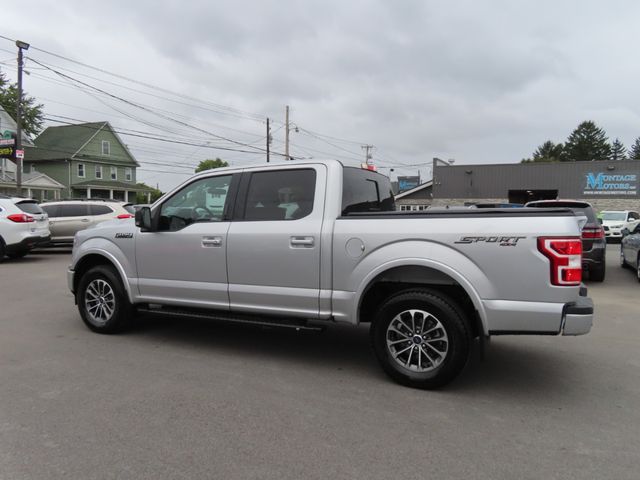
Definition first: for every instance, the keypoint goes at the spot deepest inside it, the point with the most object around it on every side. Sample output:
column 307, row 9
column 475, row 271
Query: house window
column 98, row 172
column 81, row 170
column 128, row 174
column 106, row 147
column 114, row 173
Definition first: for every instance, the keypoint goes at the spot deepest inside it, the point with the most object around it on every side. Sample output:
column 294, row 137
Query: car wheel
column 102, row 300
column 623, row 262
column 597, row 272
column 638, row 268
column 421, row 338
column 2, row 250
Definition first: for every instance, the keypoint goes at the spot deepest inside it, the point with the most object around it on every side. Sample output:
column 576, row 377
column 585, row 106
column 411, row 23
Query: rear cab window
column 365, row 191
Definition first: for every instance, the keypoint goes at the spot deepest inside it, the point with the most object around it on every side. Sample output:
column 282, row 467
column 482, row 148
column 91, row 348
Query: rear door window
column 74, row 210
column 51, row 210
column 100, row 209
column 280, row 195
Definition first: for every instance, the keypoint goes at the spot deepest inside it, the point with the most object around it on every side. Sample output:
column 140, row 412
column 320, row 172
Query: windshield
column 616, row 216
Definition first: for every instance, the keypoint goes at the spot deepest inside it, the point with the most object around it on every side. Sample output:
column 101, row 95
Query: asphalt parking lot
column 191, row 399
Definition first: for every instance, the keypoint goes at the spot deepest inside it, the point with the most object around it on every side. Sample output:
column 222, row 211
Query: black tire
column 597, row 272
column 638, row 267
column 17, row 254
column 2, row 250
column 121, row 312
column 623, row 263
column 452, row 321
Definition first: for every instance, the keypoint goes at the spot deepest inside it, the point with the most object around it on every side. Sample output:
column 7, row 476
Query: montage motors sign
column 599, row 183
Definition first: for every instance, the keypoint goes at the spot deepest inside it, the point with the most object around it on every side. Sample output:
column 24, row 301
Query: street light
column 21, row 46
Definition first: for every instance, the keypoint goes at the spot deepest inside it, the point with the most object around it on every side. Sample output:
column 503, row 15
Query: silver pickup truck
column 307, row 244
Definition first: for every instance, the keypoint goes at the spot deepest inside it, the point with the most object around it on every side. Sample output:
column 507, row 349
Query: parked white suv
column 23, row 226
column 613, row 221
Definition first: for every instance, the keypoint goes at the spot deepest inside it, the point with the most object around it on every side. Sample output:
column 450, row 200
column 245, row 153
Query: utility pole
column 268, row 139
column 367, row 155
column 286, row 133
column 21, row 46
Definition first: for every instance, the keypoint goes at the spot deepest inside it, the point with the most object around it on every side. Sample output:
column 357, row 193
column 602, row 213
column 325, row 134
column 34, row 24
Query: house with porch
column 89, row 159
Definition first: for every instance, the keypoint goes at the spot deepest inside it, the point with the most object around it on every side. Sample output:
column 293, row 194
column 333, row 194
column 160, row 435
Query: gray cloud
column 474, row 81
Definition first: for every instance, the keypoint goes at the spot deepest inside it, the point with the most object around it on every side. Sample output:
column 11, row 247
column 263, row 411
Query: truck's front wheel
column 102, row 300
column 421, row 338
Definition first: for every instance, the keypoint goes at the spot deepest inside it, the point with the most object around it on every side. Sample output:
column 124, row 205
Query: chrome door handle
column 211, row 241
column 85, row 220
column 302, row 241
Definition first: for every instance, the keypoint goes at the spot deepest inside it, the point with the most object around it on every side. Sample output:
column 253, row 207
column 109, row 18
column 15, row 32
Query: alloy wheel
column 99, row 302
column 417, row 340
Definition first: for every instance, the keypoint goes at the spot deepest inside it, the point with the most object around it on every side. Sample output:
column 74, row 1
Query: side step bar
column 298, row 324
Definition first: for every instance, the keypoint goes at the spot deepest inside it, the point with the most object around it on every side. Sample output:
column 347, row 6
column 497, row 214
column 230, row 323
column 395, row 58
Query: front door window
column 200, row 201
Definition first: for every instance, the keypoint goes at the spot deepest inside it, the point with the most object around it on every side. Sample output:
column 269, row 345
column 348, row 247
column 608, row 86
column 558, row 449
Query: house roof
column 67, row 141
column 422, row 186
column 108, row 185
column 31, row 179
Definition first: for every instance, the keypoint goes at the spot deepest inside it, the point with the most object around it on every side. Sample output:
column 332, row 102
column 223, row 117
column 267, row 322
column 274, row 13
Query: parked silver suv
column 66, row 217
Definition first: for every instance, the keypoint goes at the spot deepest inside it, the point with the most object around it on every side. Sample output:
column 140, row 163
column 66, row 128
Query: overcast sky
column 479, row 82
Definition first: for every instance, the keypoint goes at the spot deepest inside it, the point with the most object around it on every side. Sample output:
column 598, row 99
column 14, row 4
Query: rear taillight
column 122, row 216
column 592, row 232
column 565, row 255
column 20, row 218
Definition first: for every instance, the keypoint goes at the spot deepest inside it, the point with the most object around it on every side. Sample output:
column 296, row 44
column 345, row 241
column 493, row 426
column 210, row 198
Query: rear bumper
column 27, row 243
column 578, row 317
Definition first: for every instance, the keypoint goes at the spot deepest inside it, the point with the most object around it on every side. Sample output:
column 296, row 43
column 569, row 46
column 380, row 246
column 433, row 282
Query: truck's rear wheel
column 421, row 338
column 102, row 300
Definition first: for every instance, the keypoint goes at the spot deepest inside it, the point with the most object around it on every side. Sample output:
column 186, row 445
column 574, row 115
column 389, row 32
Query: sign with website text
column 619, row 183
column 7, row 147
column 407, row 183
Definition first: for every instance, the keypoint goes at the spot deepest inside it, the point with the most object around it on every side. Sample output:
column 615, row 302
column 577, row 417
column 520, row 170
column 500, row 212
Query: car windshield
column 616, row 216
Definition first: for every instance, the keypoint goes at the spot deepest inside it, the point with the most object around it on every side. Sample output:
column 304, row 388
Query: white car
column 613, row 221
column 23, row 226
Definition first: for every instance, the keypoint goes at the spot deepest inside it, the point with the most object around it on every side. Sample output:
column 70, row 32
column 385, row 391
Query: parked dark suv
column 594, row 244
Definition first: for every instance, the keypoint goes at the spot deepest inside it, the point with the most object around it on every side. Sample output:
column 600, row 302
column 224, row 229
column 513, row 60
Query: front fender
column 113, row 253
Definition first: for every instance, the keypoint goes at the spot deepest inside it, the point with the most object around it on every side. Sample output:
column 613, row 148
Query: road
column 190, row 399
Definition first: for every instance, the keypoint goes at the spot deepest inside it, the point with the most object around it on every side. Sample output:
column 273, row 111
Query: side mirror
column 143, row 219
column 625, row 232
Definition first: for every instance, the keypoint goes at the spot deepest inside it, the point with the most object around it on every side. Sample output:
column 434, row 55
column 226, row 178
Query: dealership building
column 607, row 185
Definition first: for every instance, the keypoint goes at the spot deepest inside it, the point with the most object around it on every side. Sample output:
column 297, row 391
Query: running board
column 297, row 324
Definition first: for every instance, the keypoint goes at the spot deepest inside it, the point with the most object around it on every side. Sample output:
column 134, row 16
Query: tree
column 587, row 142
column 32, row 113
column 618, row 150
column 141, row 197
column 211, row 164
column 549, row 152
column 634, row 153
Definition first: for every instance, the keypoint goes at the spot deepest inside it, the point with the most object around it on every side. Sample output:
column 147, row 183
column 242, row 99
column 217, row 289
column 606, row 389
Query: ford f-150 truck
column 306, row 244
